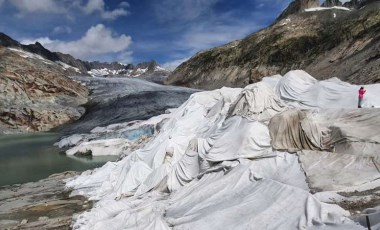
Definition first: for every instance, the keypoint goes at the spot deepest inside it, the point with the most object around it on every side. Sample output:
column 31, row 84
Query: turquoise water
column 31, row 157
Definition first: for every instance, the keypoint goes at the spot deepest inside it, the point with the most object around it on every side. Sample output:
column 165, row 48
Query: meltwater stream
column 31, row 157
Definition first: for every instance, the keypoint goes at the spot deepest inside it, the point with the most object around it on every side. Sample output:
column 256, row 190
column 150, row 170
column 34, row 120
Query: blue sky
column 132, row 31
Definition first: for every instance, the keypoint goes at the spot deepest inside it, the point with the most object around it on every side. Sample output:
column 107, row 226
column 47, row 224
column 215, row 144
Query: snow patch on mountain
column 327, row 8
column 26, row 54
column 66, row 66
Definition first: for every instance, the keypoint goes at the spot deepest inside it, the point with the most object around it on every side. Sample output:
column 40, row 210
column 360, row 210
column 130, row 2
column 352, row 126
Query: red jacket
column 361, row 93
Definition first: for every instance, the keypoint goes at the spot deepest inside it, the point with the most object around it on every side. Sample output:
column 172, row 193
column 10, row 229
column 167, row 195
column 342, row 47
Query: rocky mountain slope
column 35, row 93
column 75, row 66
column 334, row 42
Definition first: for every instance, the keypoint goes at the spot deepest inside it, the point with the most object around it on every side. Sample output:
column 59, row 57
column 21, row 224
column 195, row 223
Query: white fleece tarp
column 295, row 130
column 212, row 166
column 299, row 89
column 237, row 201
column 257, row 102
column 237, row 138
column 329, row 171
column 345, row 130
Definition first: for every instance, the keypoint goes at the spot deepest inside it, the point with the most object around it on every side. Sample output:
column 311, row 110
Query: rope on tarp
column 368, row 224
column 377, row 165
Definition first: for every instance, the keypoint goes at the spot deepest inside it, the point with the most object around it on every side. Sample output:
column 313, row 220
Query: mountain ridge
column 326, row 43
column 85, row 67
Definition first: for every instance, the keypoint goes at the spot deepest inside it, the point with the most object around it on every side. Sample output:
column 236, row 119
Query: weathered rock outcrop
column 35, row 93
column 328, row 43
column 298, row 6
column 356, row 4
column 331, row 3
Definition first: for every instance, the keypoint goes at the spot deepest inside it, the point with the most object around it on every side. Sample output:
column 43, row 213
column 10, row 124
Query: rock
column 298, row 6
column 24, row 221
column 356, row 4
column 43, row 218
column 331, row 3
column 44, row 204
column 36, row 94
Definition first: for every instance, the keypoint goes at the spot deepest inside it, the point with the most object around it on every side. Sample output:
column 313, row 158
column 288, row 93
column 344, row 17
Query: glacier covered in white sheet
column 273, row 155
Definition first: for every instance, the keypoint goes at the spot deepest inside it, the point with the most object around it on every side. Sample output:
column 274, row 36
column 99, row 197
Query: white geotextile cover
column 295, row 130
column 211, row 168
column 334, row 171
column 257, row 102
column 299, row 89
column 341, row 130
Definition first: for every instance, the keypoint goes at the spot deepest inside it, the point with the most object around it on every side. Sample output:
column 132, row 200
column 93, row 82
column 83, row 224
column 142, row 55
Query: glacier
column 279, row 154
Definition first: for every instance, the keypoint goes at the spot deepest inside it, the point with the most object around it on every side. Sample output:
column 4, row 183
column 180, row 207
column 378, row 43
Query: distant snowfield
column 237, row 158
column 129, row 73
column 103, row 72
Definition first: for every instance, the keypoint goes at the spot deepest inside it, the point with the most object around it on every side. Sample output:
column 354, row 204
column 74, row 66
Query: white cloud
column 69, row 7
column 28, row 6
column 42, row 40
column 124, row 4
column 261, row 5
column 171, row 65
column 1, row 2
column 113, row 14
column 62, row 30
column 99, row 6
column 97, row 41
column 208, row 34
column 93, row 5
column 125, row 57
column 205, row 36
column 184, row 10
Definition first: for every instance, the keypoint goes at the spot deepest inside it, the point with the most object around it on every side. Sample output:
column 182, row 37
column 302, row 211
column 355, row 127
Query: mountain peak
column 298, row 6
column 7, row 41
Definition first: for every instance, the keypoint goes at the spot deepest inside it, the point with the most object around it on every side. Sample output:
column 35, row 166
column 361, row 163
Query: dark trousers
column 360, row 102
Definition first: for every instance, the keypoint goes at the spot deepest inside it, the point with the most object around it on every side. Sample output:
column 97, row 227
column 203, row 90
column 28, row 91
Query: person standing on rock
column 361, row 96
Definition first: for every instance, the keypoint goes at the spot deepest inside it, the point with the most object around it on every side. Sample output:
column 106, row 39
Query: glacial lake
column 31, row 157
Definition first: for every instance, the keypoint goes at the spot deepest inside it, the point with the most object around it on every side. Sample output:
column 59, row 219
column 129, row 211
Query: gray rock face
column 35, row 94
column 345, row 46
column 298, row 6
column 356, row 4
column 331, row 3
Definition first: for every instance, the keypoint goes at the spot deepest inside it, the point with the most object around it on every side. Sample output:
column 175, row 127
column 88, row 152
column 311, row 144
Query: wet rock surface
column 45, row 204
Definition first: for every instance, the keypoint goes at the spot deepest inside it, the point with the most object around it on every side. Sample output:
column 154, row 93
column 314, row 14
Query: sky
column 133, row 31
